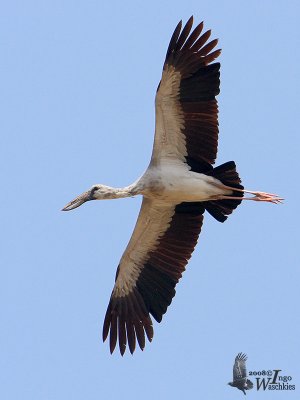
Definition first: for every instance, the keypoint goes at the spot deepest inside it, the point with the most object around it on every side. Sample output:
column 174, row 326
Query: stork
column 179, row 185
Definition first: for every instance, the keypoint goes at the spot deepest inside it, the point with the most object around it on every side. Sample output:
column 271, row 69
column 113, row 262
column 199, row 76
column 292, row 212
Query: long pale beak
column 78, row 201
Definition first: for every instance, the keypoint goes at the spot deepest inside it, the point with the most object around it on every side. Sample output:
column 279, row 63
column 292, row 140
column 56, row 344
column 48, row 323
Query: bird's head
column 96, row 192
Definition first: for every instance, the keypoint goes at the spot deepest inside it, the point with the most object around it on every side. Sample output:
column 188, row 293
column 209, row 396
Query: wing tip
column 126, row 321
column 241, row 356
column 190, row 50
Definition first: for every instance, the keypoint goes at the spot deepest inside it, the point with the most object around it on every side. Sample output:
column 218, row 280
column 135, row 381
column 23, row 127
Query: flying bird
column 240, row 380
column 179, row 185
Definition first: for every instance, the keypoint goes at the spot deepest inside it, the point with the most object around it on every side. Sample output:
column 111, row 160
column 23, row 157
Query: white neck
column 107, row 192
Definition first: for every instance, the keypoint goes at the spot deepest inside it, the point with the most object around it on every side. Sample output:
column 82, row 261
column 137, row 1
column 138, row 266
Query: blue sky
column 78, row 80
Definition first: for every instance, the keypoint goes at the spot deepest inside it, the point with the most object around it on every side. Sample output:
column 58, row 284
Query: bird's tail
column 249, row 384
column 227, row 174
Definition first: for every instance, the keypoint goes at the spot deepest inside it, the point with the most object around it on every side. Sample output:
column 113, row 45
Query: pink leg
column 257, row 196
column 268, row 199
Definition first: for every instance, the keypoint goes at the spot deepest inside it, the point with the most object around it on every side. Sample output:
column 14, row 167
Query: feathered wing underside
column 186, row 107
column 239, row 367
column 162, row 243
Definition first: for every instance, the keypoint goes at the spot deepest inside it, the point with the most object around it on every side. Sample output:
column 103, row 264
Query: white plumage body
column 172, row 181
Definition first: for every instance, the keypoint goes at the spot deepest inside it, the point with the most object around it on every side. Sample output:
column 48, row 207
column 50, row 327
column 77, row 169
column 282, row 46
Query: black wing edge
column 186, row 51
column 127, row 319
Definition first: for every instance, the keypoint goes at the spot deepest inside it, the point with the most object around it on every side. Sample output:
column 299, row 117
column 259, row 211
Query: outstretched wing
column 186, row 108
column 162, row 243
column 239, row 368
